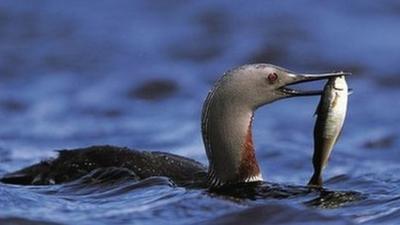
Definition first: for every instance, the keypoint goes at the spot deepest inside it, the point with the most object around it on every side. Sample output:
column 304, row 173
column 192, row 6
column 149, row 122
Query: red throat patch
column 248, row 162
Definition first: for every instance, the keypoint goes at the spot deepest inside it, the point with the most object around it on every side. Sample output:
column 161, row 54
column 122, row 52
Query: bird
column 226, row 128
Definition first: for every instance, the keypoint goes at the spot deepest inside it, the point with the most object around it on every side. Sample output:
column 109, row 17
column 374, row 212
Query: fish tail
column 316, row 180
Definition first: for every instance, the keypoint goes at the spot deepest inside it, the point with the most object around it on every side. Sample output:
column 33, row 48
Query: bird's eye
column 272, row 77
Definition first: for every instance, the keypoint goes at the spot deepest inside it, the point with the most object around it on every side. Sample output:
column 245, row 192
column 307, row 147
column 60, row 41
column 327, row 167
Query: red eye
column 272, row 77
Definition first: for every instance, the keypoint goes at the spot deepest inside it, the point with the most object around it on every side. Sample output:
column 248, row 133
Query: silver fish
column 331, row 113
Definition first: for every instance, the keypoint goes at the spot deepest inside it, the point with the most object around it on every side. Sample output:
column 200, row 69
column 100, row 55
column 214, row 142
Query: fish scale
column 331, row 113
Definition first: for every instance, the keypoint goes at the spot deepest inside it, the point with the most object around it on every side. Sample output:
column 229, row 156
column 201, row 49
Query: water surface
column 135, row 74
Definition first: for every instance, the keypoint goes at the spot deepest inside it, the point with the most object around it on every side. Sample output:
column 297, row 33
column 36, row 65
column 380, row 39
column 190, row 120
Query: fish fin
column 318, row 109
column 316, row 180
column 339, row 135
column 350, row 91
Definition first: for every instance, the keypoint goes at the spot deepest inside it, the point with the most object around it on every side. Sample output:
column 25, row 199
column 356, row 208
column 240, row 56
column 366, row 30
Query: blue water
column 135, row 74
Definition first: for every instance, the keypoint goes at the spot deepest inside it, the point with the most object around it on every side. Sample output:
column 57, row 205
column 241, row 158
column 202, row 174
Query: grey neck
column 227, row 136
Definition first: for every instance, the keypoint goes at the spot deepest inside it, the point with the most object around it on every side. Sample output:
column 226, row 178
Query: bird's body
column 73, row 164
column 331, row 113
column 226, row 129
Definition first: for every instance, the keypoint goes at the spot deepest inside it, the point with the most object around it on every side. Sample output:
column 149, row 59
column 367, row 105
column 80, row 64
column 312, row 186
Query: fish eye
column 272, row 77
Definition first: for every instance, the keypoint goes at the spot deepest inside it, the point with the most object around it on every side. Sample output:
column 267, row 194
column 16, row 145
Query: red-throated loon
column 226, row 129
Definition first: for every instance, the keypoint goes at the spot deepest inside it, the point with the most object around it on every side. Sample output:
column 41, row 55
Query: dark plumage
column 73, row 164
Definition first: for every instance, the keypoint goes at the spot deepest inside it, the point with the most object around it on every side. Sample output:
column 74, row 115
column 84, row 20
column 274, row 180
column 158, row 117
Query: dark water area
column 135, row 74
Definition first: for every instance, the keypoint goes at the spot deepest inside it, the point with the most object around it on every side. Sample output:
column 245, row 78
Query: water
column 75, row 74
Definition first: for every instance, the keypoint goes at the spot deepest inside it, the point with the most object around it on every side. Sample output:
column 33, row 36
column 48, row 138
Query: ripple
column 83, row 73
column 107, row 182
column 335, row 199
column 275, row 213
column 23, row 221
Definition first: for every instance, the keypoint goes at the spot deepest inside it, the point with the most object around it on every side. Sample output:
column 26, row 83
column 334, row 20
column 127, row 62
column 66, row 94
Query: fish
column 331, row 113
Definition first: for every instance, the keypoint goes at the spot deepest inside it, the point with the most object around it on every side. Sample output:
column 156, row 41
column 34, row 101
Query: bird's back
column 73, row 164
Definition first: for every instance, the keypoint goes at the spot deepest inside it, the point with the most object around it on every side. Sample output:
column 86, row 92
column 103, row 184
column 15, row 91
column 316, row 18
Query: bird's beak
column 301, row 78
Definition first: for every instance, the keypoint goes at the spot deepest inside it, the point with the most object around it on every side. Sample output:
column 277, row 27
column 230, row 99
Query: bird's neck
column 227, row 136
